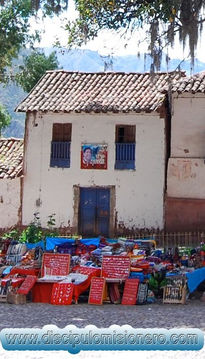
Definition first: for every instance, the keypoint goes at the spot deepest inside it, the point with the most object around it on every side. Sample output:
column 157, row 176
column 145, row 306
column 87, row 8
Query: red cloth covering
column 25, row 271
column 82, row 287
column 42, row 291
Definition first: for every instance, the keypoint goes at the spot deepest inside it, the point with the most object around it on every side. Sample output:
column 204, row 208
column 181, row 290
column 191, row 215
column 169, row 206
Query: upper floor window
column 60, row 145
column 125, row 147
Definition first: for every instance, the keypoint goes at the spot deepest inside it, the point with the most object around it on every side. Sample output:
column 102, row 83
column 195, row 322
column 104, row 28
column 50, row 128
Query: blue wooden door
column 94, row 214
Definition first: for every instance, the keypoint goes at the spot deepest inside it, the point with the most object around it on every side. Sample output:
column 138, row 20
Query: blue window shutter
column 124, row 156
column 60, row 154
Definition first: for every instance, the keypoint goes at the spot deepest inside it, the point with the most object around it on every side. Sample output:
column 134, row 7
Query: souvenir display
column 63, row 270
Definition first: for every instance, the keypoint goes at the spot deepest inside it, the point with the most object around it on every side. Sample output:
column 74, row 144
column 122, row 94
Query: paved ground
column 147, row 316
column 31, row 315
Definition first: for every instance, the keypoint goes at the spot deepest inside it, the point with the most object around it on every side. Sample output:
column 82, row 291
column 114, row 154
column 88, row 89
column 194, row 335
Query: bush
column 34, row 232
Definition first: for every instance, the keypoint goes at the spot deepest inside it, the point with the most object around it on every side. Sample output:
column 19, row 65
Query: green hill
column 10, row 96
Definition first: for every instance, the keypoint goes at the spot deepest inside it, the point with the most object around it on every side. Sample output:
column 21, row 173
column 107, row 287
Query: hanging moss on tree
column 165, row 18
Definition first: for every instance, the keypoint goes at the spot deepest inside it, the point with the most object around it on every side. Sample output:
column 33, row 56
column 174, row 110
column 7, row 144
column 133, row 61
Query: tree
column 165, row 18
column 14, row 31
column 15, row 34
column 4, row 118
column 15, row 26
column 34, row 68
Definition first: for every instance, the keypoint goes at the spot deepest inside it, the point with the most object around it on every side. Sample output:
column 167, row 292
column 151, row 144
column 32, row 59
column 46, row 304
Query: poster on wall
column 94, row 156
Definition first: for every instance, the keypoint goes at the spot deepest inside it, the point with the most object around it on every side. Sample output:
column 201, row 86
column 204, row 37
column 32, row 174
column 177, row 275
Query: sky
column 108, row 42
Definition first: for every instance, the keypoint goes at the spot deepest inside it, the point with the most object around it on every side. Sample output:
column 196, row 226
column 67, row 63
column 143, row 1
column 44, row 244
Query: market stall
column 123, row 271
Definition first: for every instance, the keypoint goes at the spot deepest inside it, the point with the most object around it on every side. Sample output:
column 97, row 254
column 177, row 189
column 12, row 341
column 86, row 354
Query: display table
column 42, row 290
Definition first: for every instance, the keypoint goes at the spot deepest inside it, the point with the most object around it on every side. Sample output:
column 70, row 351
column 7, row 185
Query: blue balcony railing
column 124, row 156
column 60, row 154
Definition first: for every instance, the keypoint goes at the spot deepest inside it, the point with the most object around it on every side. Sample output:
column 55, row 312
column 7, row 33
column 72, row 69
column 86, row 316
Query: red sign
column 55, row 264
column 94, row 156
column 130, row 291
column 96, row 291
column 27, row 285
column 62, row 293
column 116, row 267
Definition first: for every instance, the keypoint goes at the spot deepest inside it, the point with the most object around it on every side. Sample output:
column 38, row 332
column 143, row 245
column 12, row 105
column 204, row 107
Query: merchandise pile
column 99, row 270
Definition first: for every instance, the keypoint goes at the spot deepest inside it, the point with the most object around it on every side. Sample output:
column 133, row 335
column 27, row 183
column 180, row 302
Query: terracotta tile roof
column 63, row 91
column 193, row 84
column 11, row 157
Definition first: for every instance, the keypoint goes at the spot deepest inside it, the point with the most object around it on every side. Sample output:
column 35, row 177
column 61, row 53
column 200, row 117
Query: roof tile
column 193, row 84
column 64, row 91
column 11, row 157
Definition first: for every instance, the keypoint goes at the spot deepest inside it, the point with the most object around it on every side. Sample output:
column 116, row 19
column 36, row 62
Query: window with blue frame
column 125, row 147
column 60, row 145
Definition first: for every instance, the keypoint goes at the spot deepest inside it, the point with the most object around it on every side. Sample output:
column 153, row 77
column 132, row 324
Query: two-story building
column 96, row 150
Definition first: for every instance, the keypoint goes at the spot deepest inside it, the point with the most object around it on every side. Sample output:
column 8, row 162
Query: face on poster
column 93, row 156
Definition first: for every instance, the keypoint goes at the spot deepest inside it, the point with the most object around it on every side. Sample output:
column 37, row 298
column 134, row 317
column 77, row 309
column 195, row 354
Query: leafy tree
column 15, row 26
column 14, row 16
column 34, row 68
column 165, row 18
column 15, row 34
column 4, row 118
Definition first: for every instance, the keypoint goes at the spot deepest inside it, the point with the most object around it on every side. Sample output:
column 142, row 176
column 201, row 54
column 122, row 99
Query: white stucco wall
column 186, row 167
column 186, row 178
column 9, row 202
column 139, row 193
column 188, row 126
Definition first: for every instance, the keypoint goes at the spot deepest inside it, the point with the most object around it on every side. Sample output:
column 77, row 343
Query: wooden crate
column 14, row 298
column 3, row 298
column 174, row 295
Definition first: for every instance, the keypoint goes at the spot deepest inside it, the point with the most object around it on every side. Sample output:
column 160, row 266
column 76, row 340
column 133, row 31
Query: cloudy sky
column 108, row 42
